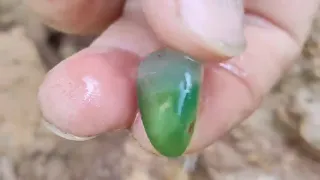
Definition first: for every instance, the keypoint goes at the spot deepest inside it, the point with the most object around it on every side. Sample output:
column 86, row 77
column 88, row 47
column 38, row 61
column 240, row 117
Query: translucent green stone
column 168, row 88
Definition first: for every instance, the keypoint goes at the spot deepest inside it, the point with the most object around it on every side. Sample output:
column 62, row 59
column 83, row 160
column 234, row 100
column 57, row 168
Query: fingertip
column 215, row 33
column 90, row 92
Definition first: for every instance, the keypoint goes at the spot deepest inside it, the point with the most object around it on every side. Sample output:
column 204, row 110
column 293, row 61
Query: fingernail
column 218, row 23
column 64, row 135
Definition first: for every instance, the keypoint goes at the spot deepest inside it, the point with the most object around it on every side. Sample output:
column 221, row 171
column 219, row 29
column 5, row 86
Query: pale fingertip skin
column 91, row 92
column 210, row 31
column 219, row 23
column 293, row 17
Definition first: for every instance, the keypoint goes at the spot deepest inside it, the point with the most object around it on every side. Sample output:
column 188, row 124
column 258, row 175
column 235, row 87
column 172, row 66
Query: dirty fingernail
column 64, row 135
column 218, row 23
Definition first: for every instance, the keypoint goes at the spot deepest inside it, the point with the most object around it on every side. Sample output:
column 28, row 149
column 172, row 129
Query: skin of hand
column 93, row 91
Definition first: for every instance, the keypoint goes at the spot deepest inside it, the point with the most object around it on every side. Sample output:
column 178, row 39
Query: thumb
column 206, row 29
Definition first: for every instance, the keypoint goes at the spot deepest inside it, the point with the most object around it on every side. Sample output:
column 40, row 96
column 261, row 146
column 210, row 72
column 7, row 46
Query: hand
column 93, row 91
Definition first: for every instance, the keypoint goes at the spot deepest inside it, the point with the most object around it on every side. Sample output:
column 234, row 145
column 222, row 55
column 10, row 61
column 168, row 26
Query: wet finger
column 93, row 91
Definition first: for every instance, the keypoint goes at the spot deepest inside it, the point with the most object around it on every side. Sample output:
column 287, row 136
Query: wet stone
column 168, row 88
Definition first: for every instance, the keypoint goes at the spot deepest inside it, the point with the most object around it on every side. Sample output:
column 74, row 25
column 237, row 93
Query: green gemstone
column 168, row 88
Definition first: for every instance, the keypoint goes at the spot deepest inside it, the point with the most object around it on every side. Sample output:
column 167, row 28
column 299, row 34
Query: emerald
column 168, row 88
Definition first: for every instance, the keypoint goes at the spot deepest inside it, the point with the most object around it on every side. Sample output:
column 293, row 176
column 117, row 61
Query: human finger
column 208, row 30
column 77, row 16
column 93, row 91
column 233, row 90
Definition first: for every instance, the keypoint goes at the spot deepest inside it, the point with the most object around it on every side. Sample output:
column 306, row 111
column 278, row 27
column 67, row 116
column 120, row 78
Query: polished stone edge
column 199, row 95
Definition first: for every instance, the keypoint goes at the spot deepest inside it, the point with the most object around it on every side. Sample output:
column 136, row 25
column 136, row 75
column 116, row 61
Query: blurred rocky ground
column 281, row 141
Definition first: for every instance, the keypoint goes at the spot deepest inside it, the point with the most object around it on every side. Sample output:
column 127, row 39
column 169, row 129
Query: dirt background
column 278, row 142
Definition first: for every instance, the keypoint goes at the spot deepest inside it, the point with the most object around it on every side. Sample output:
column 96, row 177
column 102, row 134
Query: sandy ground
column 278, row 142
